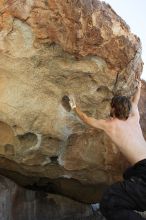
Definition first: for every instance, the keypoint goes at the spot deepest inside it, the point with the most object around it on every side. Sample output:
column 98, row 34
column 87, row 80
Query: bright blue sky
column 134, row 13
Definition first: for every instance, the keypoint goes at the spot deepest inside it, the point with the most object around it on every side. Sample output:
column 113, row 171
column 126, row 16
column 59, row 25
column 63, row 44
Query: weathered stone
column 142, row 105
column 50, row 49
column 17, row 203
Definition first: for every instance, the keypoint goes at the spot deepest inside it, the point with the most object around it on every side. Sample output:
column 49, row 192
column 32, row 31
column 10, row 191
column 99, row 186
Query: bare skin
column 126, row 134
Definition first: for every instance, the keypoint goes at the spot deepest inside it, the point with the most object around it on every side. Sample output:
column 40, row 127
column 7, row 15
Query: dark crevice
column 65, row 103
column 54, row 159
column 115, row 84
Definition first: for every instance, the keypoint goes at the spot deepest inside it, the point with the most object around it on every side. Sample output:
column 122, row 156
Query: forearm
column 81, row 115
column 101, row 124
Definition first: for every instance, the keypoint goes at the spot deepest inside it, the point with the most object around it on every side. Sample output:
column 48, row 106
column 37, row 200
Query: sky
column 134, row 14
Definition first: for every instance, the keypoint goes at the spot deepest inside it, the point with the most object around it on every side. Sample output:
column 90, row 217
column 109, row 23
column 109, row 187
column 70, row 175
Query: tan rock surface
column 142, row 108
column 50, row 49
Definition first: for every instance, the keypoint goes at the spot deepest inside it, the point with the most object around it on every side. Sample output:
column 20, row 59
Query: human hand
column 72, row 102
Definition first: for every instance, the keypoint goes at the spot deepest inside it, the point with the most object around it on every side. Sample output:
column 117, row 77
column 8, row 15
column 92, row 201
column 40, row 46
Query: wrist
column 74, row 107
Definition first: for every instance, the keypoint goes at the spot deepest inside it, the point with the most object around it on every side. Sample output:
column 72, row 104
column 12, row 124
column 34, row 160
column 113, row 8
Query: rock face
column 142, row 105
column 16, row 203
column 50, row 49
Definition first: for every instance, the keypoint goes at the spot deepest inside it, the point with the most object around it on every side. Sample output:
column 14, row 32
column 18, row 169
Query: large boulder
column 49, row 50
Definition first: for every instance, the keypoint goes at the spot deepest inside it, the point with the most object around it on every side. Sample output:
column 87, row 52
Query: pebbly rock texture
column 48, row 50
column 17, row 203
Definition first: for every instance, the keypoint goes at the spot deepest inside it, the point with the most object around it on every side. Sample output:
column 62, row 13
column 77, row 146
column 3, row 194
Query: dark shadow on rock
column 68, row 187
